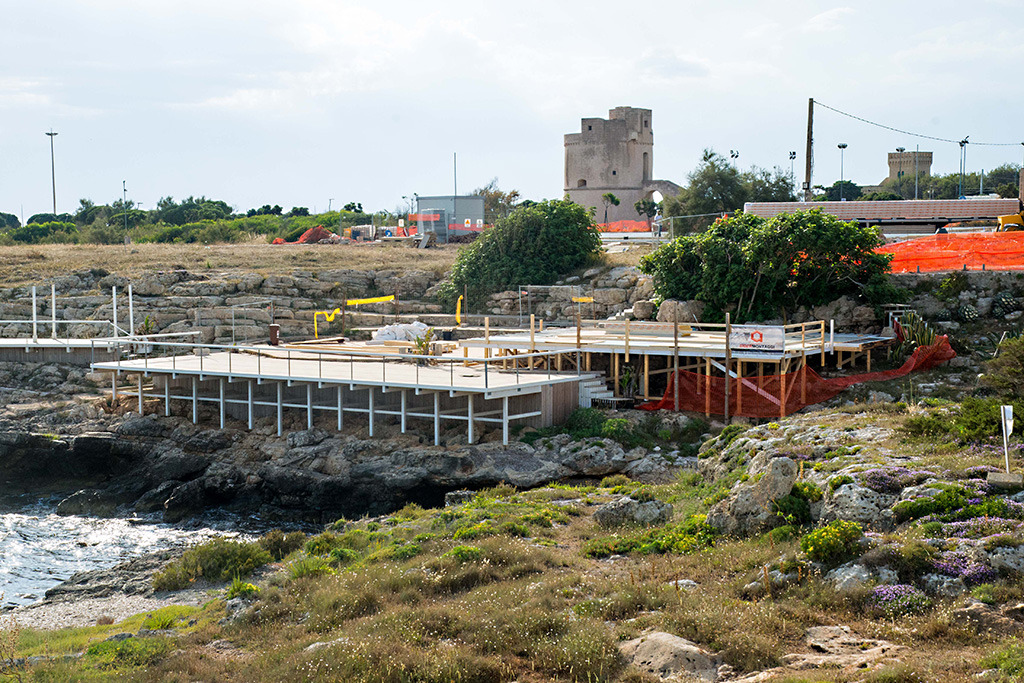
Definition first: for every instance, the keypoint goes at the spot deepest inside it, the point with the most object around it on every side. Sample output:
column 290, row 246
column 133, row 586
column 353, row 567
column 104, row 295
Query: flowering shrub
column 958, row 563
column 836, row 482
column 898, row 599
column 833, row 543
column 893, row 479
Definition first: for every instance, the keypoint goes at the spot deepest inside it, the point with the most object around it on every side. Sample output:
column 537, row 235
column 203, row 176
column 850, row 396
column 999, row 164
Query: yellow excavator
column 1011, row 222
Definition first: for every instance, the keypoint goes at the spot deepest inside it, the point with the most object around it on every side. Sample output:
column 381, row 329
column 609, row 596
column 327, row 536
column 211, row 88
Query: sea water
column 40, row 549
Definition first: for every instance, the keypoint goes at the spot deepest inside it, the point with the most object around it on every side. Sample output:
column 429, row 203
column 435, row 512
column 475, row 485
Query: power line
column 907, row 132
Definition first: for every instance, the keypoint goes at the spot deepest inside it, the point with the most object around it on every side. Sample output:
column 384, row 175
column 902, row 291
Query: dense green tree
column 497, row 203
column 763, row 185
column 843, row 189
column 8, row 221
column 190, row 210
column 881, row 196
column 760, row 268
column 534, row 245
column 1007, row 174
column 41, row 218
column 265, row 210
column 299, row 211
column 609, row 199
column 1008, row 191
column 646, row 207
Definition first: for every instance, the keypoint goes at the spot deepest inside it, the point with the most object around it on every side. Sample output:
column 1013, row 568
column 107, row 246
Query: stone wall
column 614, row 291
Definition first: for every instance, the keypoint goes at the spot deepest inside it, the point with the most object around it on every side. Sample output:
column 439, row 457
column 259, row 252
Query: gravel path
column 52, row 615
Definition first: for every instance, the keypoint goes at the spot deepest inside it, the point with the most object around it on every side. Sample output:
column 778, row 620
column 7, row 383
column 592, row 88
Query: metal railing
column 297, row 363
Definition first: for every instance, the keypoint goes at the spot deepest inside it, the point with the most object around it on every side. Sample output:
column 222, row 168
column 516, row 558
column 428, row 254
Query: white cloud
column 829, row 20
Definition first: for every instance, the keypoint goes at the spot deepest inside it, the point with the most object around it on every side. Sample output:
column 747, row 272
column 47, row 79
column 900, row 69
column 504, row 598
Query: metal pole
column 131, row 311
column 53, row 310
column 35, row 319
column 809, row 152
column 113, row 295
column 728, row 363
column 53, row 173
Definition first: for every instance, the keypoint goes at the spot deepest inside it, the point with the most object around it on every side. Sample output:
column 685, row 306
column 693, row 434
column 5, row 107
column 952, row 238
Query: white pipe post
column 249, row 383
column 53, row 310
column 131, row 311
column 371, row 410
column 504, row 420
column 35, row 318
column 404, row 392
column 437, row 419
column 469, row 412
column 113, row 297
column 113, row 391
column 221, row 397
column 195, row 400
column 140, row 395
column 309, row 406
column 167, row 396
column 280, row 409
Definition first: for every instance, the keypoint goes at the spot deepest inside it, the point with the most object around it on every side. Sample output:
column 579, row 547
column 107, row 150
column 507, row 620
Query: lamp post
column 842, row 151
column 329, row 204
column 899, row 173
column 53, row 175
column 792, row 158
column 734, row 155
column 963, row 165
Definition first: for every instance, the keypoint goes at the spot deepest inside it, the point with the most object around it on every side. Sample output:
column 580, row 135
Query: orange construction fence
column 970, row 251
column 625, row 226
column 759, row 396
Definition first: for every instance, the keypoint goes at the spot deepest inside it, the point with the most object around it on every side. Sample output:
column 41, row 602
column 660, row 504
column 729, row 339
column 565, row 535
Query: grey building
column 446, row 215
column 613, row 155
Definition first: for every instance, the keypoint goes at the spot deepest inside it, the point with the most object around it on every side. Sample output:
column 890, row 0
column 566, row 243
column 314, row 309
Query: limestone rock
column 848, row 577
column 643, row 310
column 856, row 504
column 984, row 619
column 837, row 647
column 685, row 311
column 628, row 511
column 747, row 510
column 458, row 497
column 669, row 657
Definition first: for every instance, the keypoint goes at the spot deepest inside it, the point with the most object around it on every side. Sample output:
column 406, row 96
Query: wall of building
column 904, row 161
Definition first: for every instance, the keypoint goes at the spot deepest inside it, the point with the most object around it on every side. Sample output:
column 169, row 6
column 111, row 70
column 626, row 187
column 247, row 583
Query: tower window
column 590, row 128
column 647, row 124
column 615, row 172
column 581, row 182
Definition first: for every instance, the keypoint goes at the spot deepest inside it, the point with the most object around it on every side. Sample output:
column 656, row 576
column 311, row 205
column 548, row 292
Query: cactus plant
column 1003, row 304
column 967, row 313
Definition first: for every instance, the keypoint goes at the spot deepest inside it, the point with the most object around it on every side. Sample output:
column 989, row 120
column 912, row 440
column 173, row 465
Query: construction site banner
column 373, row 300
column 767, row 338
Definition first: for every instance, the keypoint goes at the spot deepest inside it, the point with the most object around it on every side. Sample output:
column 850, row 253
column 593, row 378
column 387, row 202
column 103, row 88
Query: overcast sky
column 297, row 102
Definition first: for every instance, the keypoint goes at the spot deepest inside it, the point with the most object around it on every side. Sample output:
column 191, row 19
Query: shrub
column 342, row 556
column 953, row 498
column 302, row 567
column 241, row 589
column 215, row 560
column 279, row 544
column 842, row 480
column 130, row 652
column 585, row 423
column 322, row 544
column 615, row 480
column 898, row 600
column 535, row 244
column 683, row 538
column 465, row 553
column 833, row 543
column 730, row 434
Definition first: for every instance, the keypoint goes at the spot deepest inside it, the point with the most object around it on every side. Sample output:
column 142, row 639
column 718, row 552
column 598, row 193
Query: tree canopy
column 760, row 268
column 497, row 203
column 536, row 244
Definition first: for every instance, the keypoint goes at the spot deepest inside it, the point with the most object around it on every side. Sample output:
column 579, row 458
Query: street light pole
column 792, row 158
column 124, row 208
column 842, row 151
column 899, row 173
column 53, row 174
column 963, row 164
column 734, row 155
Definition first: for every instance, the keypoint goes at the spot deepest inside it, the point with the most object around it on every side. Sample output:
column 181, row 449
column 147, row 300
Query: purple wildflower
column 898, row 599
column 957, row 563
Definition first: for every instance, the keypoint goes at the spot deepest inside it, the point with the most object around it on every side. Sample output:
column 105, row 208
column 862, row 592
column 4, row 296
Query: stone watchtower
column 904, row 162
column 613, row 155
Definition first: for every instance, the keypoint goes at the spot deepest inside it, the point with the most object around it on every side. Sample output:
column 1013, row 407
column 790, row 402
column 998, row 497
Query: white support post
column 221, row 406
column 53, row 311
column 469, row 412
column 195, row 400
column 113, row 299
column 504, row 420
column 404, row 392
column 140, row 394
column 280, row 408
column 167, row 396
column 249, row 384
column 309, row 406
column 35, row 316
column 437, row 419
column 131, row 311
column 341, row 410
column 370, row 390
column 113, row 385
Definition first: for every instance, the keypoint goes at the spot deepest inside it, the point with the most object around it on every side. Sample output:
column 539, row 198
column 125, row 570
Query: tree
column 41, row 218
column 843, row 189
column 497, row 204
column 714, row 187
column 757, row 268
column 882, row 196
column 534, row 245
column 265, row 210
column 609, row 200
column 9, row 221
column 190, row 210
column 647, row 207
column 1007, row 174
column 299, row 211
column 354, row 207
column 763, row 185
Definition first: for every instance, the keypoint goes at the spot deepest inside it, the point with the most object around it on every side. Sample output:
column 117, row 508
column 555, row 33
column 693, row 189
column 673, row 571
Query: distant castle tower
column 613, row 155
column 903, row 162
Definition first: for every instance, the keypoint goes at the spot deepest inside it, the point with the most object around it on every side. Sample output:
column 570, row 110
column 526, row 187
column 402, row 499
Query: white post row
column 113, row 299
column 35, row 318
column 131, row 311
column 53, row 311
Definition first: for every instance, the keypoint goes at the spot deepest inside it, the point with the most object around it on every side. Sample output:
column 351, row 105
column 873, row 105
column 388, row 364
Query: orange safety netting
column 975, row 251
column 624, row 226
column 758, row 397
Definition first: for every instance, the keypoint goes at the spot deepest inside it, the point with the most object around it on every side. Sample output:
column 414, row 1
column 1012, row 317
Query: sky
column 315, row 102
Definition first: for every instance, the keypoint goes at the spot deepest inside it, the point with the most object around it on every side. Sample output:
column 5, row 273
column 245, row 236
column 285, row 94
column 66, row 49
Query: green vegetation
column 536, row 244
column 216, row 560
column 687, row 537
column 648, row 432
column 759, row 268
column 832, row 544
